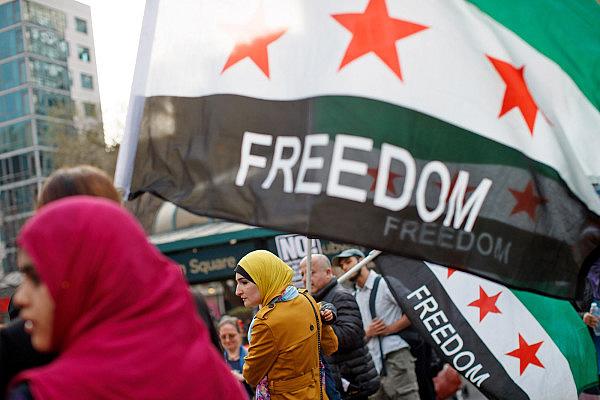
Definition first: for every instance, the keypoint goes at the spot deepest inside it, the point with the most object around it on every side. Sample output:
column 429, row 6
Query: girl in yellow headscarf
column 286, row 335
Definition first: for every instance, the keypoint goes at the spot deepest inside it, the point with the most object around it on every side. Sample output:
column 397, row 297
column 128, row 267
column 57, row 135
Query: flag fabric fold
column 440, row 131
column 509, row 344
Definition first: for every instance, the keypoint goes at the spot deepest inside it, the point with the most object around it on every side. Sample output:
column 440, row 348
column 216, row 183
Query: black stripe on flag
column 191, row 153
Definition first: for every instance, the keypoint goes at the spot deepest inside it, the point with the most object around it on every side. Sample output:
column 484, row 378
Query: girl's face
column 230, row 337
column 36, row 303
column 247, row 291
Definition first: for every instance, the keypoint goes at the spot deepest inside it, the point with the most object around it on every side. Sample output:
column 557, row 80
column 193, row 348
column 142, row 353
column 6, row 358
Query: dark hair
column 13, row 309
column 240, row 270
column 208, row 319
column 79, row 180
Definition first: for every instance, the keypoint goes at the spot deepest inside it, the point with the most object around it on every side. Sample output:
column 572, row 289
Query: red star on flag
column 4, row 302
column 526, row 353
column 517, row 93
column 486, row 304
column 527, row 201
column 390, row 183
column 253, row 40
column 452, row 184
column 374, row 31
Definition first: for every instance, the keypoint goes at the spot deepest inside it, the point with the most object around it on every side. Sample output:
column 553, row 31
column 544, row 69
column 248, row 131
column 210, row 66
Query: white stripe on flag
column 445, row 69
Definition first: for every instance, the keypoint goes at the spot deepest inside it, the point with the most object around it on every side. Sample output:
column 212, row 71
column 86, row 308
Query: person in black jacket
column 16, row 351
column 352, row 366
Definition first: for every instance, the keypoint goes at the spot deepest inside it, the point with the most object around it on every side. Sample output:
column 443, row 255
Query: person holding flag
column 352, row 366
column 383, row 319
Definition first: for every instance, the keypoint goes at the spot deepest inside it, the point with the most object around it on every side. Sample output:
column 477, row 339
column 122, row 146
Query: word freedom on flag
column 445, row 131
column 339, row 165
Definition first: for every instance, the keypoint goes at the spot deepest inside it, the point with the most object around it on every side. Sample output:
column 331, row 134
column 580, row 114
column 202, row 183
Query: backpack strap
column 372, row 298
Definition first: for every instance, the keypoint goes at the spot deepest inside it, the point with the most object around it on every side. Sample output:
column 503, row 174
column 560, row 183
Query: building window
column 10, row 13
column 84, row 54
column 14, row 105
column 15, row 136
column 12, row 74
column 47, row 163
column 87, row 81
column 11, row 43
column 52, row 104
column 17, row 168
column 90, row 110
column 45, row 16
column 47, row 43
column 49, row 74
column 10, row 230
column 81, row 25
column 9, row 234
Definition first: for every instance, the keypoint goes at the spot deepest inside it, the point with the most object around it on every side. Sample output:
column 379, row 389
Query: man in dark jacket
column 352, row 366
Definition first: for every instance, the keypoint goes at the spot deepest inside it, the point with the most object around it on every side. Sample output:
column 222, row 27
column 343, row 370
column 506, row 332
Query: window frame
column 92, row 106
column 79, row 21
column 83, row 77
column 84, row 50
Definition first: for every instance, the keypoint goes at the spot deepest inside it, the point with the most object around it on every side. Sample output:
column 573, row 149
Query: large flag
column 462, row 133
column 510, row 344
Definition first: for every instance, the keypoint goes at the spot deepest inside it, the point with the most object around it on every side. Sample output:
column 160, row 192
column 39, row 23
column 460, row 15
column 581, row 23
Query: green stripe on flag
column 566, row 31
column 565, row 327
column 426, row 137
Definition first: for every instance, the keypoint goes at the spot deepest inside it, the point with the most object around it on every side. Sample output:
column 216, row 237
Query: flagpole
column 357, row 267
column 128, row 147
column 308, row 263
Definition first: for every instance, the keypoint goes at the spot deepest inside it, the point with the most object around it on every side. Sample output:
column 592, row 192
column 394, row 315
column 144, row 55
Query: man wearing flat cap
column 383, row 319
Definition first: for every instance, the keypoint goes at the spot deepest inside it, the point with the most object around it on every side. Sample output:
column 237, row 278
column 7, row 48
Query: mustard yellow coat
column 284, row 348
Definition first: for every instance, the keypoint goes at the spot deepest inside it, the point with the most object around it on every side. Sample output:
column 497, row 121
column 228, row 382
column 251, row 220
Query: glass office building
column 47, row 84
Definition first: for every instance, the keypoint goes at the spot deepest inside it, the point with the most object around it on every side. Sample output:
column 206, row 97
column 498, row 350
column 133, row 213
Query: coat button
column 312, row 328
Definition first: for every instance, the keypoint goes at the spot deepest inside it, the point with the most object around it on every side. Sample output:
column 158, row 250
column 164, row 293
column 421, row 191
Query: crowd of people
column 102, row 314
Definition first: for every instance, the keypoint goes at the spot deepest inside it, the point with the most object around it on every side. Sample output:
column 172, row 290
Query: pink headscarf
column 125, row 325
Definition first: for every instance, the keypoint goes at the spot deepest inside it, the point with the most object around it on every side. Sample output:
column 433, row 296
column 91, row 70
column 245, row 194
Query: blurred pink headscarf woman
column 124, row 323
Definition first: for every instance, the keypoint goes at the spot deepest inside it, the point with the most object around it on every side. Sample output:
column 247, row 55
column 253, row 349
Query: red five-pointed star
column 254, row 38
column 375, row 32
column 517, row 93
column 486, row 304
column 451, row 189
column 526, row 353
column 390, row 183
column 526, row 201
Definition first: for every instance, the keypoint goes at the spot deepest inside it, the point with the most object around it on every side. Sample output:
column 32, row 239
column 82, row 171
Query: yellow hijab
column 269, row 272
